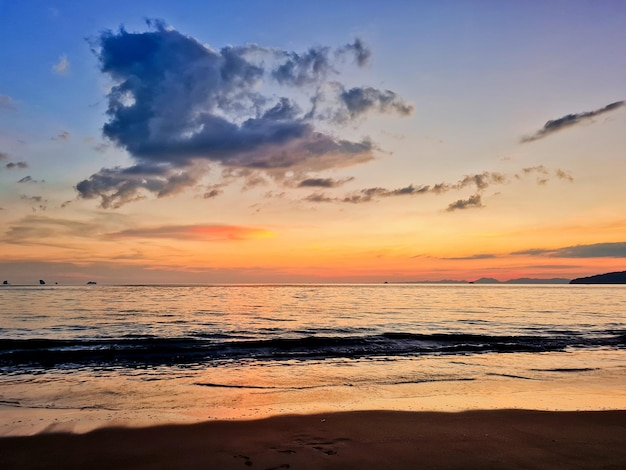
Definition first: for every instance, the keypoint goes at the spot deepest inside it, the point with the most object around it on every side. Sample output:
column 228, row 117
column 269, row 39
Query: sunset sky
column 326, row 141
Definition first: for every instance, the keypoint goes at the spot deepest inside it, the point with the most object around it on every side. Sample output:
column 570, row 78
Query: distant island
column 490, row 280
column 607, row 278
column 522, row 280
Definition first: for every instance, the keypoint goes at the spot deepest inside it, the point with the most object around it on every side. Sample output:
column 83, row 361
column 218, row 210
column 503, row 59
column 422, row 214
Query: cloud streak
column 479, row 181
column 195, row 233
column 569, row 120
column 179, row 107
column 596, row 250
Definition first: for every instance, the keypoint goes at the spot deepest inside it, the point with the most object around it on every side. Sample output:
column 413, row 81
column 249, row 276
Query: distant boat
column 42, row 282
column 5, row 283
column 91, row 283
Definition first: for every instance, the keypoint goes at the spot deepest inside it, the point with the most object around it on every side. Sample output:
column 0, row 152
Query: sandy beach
column 370, row 439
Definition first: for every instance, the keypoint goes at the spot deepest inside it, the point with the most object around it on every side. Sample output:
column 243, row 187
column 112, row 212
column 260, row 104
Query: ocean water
column 78, row 357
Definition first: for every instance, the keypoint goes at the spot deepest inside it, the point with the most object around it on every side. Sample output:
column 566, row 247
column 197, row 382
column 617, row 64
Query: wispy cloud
column 37, row 202
column 472, row 257
column 195, row 232
column 7, row 103
column 64, row 135
column 569, row 120
column 479, row 181
column 62, row 67
column 323, row 182
column 227, row 113
column 596, row 250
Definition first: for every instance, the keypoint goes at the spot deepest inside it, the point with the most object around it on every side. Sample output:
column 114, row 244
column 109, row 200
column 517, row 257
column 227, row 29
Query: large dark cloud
column 570, row 120
column 177, row 104
column 596, row 250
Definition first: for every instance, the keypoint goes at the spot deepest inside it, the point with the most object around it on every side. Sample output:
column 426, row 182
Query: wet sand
column 369, row 439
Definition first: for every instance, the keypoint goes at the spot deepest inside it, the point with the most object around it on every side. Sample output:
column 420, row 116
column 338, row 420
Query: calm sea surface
column 140, row 354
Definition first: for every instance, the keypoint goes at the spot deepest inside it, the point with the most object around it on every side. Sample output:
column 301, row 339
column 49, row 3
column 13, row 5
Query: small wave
column 137, row 351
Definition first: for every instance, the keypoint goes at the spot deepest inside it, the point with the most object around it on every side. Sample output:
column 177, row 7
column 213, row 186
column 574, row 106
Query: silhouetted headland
column 607, row 278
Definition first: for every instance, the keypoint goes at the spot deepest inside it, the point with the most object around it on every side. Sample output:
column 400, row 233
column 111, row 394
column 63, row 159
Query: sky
column 328, row 141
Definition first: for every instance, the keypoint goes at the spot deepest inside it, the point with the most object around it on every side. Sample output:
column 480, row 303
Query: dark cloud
column 319, row 197
column 469, row 203
column 177, row 103
column 597, row 250
column 118, row 186
column 312, row 67
column 361, row 52
column 322, row 182
column 359, row 101
column 16, row 165
column 26, row 179
column 481, row 181
column 211, row 193
column 472, row 257
column 568, row 121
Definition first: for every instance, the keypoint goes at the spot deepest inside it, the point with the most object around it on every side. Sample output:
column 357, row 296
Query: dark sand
column 504, row 439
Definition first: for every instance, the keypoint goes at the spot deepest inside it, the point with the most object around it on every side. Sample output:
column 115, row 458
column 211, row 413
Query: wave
column 137, row 351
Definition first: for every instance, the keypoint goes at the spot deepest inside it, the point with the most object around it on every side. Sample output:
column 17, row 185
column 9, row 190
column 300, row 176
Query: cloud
column 563, row 175
column 212, row 193
column 4, row 156
column 177, row 104
column 118, row 186
column 62, row 67
column 472, row 257
column 36, row 229
column 61, row 136
column 481, row 181
column 7, row 103
column 469, row 203
column 38, row 202
column 26, row 179
column 322, row 182
column 361, row 52
column 319, row 197
column 359, row 101
column 597, row 250
column 16, row 165
column 195, row 232
column 569, row 120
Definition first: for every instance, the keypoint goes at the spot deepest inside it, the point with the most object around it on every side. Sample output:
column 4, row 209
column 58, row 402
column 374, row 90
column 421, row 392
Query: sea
column 75, row 358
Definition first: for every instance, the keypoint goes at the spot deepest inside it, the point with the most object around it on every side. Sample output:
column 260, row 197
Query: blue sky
column 448, row 97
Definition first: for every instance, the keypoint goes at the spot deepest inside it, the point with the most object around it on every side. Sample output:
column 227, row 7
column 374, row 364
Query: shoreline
column 505, row 438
